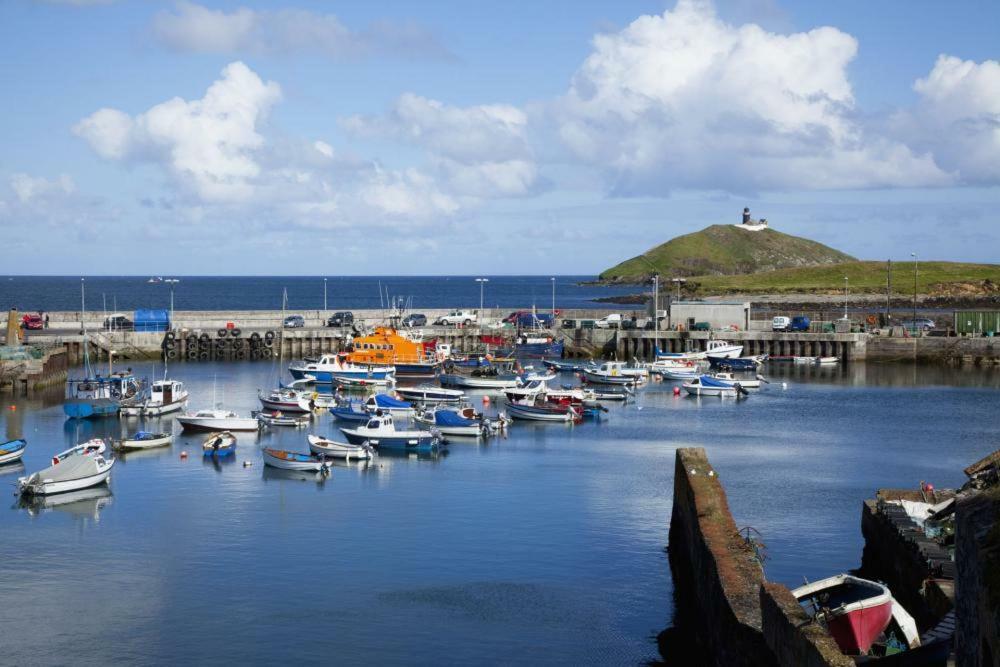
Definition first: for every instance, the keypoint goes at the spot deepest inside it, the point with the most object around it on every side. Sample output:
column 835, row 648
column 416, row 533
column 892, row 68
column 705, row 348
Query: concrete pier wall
column 977, row 561
column 792, row 636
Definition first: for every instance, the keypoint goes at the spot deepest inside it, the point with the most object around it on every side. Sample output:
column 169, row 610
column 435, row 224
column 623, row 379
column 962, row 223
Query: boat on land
column 380, row 432
column 427, row 393
column 732, row 380
column 72, row 473
column 219, row 444
column 737, row 364
column 611, row 372
column 722, row 349
column 12, row 451
column 855, row 611
column 286, row 400
column 165, row 396
column 286, row 460
column 143, row 440
column 407, row 353
column 333, row 449
column 278, row 418
column 347, row 413
column 328, row 366
column 216, row 420
column 544, row 412
column 706, row 385
column 387, row 403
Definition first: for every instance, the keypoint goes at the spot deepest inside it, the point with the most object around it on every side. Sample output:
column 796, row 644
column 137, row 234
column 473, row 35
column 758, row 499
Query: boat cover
column 12, row 446
column 387, row 401
column 709, row 381
column 74, row 467
column 451, row 418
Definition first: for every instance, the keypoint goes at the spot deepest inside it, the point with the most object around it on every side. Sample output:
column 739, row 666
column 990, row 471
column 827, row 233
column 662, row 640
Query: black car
column 415, row 320
column 341, row 319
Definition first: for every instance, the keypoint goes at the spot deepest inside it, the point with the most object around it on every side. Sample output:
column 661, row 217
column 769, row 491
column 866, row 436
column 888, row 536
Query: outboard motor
column 740, row 390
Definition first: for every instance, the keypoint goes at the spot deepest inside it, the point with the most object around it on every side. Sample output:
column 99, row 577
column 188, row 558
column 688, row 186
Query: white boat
column 348, row 382
column 216, row 420
column 688, row 373
column 89, row 448
column 70, row 474
column 278, row 418
column 528, row 390
column 663, row 364
column 380, row 432
column 427, row 393
column 280, row 458
column 339, row 450
column 732, row 380
column 721, row 349
column 451, row 422
column 611, row 372
column 821, row 361
column 143, row 440
column 164, row 396
column 706, row 386
column 479, row 381
column 287, row 400
column 544, row 412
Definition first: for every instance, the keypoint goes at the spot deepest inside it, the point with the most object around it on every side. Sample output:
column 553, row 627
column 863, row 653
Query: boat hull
column 296, row 463
column 430, row 395
column 152, row 410
column 90, row 408
column 230, row 424
column 401, row 440
column 535, row 413
column 699, row 390
column 50, row 488
column 131, row 445
column 456, row 380
column 604, row 378
column 553, row 349
column 327, row 377
column 417, row 370
column 338, row 450
column 349, row 415
column 282, row 406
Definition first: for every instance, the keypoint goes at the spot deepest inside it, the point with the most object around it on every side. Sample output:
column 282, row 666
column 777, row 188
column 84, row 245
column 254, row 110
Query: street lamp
column 845, row 297
column 482, row 283
column 678, row 282
column 656, row 308
column 915, row 263
column 171, row 282
column 324, row 294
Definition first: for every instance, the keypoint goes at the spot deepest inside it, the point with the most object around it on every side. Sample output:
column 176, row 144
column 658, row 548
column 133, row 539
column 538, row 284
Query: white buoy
column 784, row 385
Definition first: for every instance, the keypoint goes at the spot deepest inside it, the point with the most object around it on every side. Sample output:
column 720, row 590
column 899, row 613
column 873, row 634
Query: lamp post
column 482, row 283
column 553, row 299
column 845, row 297
column 915, row 264
column 656, row 309
column 324, row 295
column 678, row 281
column 171, row 282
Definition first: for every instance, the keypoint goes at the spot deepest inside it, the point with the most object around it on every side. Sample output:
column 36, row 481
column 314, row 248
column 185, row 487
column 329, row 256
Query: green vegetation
column 726, row 250
column 934, row 278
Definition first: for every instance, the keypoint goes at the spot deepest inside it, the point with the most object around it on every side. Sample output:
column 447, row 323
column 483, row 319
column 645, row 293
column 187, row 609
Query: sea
column 125, row 293
column 543, row 546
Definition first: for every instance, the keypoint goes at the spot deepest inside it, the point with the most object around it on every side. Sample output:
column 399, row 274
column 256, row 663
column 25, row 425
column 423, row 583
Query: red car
column 32, row 321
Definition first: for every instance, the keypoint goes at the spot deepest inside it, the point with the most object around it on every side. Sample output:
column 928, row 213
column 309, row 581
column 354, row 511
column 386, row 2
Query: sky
column 349, row 138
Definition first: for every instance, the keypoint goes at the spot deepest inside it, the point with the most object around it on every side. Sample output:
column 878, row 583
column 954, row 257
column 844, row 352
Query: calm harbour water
column 545, row 546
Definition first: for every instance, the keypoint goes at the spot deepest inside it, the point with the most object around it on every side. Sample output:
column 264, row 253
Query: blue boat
column 12, row 451
column 329, row 366
column 349, row 414
column 219, row 444
column 538, row 346
column 380, row 432
column 387, row 403
column 738, row 364
column 569, row 366
column 96, row 396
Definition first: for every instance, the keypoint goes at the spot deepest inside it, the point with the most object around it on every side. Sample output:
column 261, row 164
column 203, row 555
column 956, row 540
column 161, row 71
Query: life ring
column 871, row 319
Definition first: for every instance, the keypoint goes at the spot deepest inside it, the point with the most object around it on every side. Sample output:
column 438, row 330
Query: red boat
column 855, row 611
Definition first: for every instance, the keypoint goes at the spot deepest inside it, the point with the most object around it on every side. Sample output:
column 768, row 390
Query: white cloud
column 27, row 188
column 208, row 145
column 958, row 118
column 684, row 99
column 195, row 28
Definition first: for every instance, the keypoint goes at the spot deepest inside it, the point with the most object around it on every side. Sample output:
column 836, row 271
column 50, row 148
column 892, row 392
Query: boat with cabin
column 328, row 366
column 406, row 352
column 99, row 396
column 448, row 421
column 216, row 420
column 164, row 396
column 286, row 399
column 722, row 349
column 380, row 432
column 611, row 372
column 732, row 380
column 737, row 363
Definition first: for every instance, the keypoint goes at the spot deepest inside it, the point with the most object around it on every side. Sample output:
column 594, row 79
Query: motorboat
column 661, row 365
column 855, row 611
column 286, row 460
column 380, row 432
column 278, row 418
column 339, row 450
column 544, row 412
column 721, row 349
column 286, row 400
column 216, row 420
column 165, row 396
column 406, row 352
column 706, row 385
column 427, row 393
column 99, row 396
column 688, row 373
column 528, row 390
column 738, row 363
column 347, row 413
column 563, row 366
column 678, row 356
column 387, row 403
column 482, row 377
column 12, row 451
column 92, row 447
column 450, row 422
column 610, row 372
column 732, row 380
column 348, row 382
column 143, row 440
column 72, row 473
column 324, row 369
column 219, row 444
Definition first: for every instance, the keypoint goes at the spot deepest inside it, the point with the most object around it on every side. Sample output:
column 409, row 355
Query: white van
column 781, row 323
column 612, row 321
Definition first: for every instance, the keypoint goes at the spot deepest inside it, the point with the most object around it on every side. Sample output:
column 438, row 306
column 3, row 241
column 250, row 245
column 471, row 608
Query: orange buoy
column 13, row 407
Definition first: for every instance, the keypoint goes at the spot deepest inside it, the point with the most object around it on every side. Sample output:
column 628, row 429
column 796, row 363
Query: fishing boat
column 216, row 420
column 737, row 364
column 278, row 418
column 387, row 403
column 526, row 391
column 362, row 383
column 380, row 432
column 143, row 440
column 286, row 460
column 450, row 422
column 99, row 396
column 855, row 611
column 286, row 400
column 721, row 349
column 406, row 352
column 427, row 393
column 610, row 372
column 537, row 346
column 544, row 412
column 71, row 473
column 12, row 451
column 219, row 444
column 324, row 369
column 347, row 413
column 165, row 396
column 339, row 450
column 706, row 385
column 732, row 380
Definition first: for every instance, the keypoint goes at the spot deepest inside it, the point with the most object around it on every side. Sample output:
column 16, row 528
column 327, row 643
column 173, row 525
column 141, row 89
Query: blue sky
column 455, row 137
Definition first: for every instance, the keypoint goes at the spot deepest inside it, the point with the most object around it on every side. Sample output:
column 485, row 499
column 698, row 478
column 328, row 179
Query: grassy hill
column 724, row 250
column 933, row 278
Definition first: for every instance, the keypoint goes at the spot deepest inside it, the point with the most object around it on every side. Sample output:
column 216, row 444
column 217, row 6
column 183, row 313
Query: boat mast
column 83, row 323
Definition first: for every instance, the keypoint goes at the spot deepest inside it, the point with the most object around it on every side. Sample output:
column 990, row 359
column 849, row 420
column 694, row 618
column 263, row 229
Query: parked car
column 922, row 323
column 701, row 326
column 342, row 318
column 118, row 322
column 32, row 321
column 800, row 323
column 526, row 318
column 465, row 317
column 781, row 323
column 569, row 324
column 649, row 324
column 415, row 320
column 294, row 322
column 612, row 321
column 630, row 323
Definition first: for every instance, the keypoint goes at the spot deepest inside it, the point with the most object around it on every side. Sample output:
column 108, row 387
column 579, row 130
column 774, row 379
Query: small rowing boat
column 339, row 450
column 143, row 440
column 280, row 458
column 278, row 418
column 219, row 444
column 12, row 451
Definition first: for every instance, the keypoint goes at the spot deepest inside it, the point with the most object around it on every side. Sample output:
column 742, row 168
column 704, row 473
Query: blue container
column 152, row 320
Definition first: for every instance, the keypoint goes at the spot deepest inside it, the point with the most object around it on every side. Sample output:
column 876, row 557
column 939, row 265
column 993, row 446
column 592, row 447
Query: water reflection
column 83, row 504
column 12, row 468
